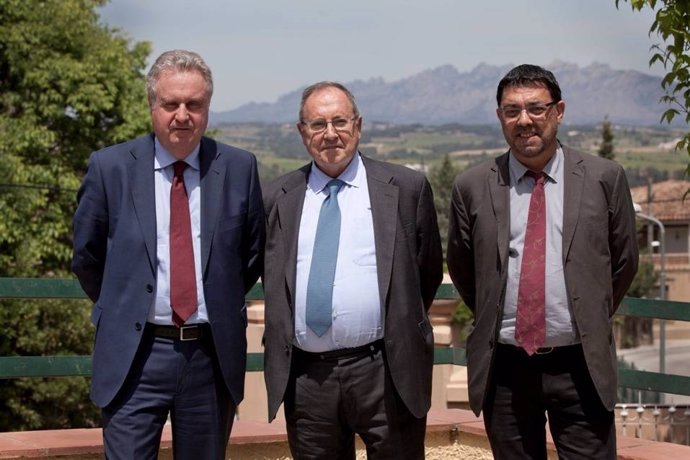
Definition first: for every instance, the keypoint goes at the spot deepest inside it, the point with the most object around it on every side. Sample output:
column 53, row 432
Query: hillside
column 445, row 95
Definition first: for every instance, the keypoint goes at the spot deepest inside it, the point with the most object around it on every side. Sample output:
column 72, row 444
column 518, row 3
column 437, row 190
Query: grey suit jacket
column 116, row 263
column 409, row 263
column 599, row 258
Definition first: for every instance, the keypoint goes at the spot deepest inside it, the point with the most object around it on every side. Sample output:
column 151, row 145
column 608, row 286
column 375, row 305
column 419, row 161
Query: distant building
column 664, row 201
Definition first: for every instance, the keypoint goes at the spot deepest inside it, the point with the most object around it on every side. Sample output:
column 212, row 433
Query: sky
column 259, row 50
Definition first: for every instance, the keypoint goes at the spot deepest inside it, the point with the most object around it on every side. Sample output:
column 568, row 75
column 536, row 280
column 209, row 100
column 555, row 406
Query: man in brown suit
column 563, row 365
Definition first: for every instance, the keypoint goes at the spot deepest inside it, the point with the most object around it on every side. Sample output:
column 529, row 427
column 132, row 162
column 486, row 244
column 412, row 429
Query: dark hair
column 529, row 75
column 177, row 61
column 309, row 90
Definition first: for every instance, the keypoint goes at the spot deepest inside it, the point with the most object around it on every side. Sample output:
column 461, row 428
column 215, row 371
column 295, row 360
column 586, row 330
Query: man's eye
column 317, row 125
column 340, row 123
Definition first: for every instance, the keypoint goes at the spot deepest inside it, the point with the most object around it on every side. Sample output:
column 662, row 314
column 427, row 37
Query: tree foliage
column 672, row 25
column 441, row 178
column 606, row 147
column 68, row 85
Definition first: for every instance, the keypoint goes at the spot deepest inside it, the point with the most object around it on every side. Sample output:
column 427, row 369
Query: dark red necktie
column 182, row 272
column 530, row 323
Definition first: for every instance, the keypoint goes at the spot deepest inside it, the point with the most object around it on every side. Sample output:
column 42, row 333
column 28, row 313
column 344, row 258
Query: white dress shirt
column 357, row 313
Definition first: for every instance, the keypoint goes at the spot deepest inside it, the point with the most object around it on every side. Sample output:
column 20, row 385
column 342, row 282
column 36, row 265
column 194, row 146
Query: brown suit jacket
column 409, row 264
column 599, row 259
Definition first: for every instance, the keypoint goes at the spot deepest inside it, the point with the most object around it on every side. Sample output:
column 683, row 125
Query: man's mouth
column 527, row 135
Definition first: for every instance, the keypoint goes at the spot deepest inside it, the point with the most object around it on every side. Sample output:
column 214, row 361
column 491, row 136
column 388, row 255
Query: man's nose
column 523, row 118
column 181, row 114
column 330, row 132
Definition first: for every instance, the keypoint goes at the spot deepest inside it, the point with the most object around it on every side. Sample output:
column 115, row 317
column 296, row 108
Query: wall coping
column 456, row 422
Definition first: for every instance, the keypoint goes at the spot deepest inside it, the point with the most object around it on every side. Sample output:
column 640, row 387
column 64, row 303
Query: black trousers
column 330, row 398
column 526, row 390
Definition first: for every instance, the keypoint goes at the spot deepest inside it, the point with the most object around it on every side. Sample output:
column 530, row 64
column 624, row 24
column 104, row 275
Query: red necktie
column 530, row 325
column 182, row 271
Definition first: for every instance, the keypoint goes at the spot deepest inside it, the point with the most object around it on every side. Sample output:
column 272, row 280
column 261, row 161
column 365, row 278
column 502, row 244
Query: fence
column 60, row 366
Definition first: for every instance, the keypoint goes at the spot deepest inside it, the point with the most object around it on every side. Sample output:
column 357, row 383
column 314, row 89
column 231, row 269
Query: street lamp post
column 662, row 281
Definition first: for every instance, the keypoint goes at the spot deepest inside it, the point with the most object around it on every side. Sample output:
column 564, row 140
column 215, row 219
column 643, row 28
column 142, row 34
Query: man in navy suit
column 151, row 361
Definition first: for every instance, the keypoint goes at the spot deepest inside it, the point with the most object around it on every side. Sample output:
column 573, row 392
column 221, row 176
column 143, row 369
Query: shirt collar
column 353, row 175
column 163, row 158
column 551, row 170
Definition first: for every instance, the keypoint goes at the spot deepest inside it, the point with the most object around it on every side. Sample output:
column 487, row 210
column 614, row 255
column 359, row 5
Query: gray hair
column 177, row 61
column 309, row 90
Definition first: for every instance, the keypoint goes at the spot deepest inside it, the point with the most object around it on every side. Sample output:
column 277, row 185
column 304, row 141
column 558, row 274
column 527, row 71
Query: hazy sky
column 261, row 49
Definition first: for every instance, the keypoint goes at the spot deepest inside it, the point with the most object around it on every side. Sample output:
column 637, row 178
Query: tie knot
column 179, row 167
column 538, row 177
column 333, row 187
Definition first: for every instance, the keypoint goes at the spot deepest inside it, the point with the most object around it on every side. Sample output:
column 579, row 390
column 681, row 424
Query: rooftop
column 667, row 203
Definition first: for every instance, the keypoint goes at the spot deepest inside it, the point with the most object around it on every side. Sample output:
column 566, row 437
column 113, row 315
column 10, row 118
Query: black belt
column 184, row 333
column 333, row 355
column 543, row 350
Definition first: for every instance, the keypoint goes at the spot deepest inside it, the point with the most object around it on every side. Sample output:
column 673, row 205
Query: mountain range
column 445, row 95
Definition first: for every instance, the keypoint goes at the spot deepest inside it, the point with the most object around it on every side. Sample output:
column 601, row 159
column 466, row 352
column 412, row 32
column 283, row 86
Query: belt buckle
column 543, row 351
column 190, row 329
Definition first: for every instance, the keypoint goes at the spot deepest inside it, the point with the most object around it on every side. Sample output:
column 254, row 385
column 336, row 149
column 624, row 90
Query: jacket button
column 137, row 326
column 149, row 288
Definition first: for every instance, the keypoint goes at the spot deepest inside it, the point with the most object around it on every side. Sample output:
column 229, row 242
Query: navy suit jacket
column 115, row 253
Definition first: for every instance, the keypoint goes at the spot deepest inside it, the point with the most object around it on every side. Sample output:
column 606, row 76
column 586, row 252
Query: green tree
column 606, row 147
column 68, row 85
column 441, row 178
column 672, row 25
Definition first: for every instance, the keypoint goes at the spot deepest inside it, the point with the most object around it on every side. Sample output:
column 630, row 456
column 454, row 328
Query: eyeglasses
column 534, row 111
column 339, row 124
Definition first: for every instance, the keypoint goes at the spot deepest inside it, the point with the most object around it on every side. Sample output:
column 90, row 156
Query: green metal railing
column 62, row 366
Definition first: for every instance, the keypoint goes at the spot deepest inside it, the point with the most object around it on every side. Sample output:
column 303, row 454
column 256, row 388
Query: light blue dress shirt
column 357, row 312
column 160, row 312
column 560, row 325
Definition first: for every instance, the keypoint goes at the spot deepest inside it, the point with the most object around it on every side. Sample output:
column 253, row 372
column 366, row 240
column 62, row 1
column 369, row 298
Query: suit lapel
column 289, row 207
column 211, row 176
column 383, row 195
column 142, row 179
column 574, row 181
column 499, row 189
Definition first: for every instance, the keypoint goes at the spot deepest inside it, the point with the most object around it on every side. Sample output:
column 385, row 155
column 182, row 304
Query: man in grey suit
column 542, row 248
column 168, row 238
column 348, row 343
